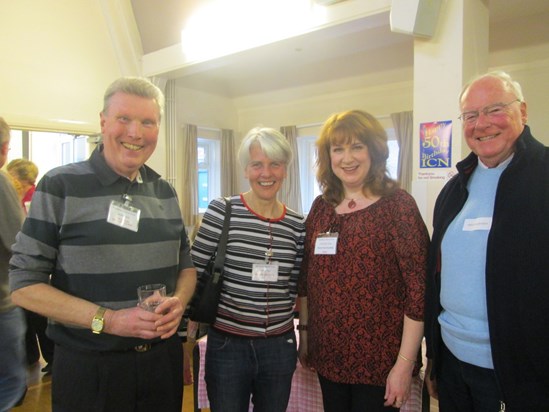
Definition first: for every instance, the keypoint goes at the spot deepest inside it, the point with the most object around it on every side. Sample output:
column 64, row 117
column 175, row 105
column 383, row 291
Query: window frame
column 60, row 149
column 209, row 139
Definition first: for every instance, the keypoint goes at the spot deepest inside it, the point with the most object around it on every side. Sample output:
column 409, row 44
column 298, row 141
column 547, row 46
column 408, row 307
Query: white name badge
column 124, row 216
column 480, row 223
column 264, row 272
column 326, row 244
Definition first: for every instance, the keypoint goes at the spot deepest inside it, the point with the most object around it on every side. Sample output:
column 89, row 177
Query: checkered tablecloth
column 306, row 395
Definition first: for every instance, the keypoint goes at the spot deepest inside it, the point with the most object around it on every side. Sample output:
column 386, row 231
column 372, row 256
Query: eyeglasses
column 493, row 110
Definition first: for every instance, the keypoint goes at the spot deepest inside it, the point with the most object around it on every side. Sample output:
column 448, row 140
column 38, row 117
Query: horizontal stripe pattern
column 248, row 307
column 67, row 235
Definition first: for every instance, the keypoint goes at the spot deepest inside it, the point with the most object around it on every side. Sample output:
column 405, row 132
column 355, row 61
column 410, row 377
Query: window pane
column 392, row 161
column 48, row 149
column 80, row 151
column 209, row 171
column 203, row 198
column 307, row 158
column 16, row 145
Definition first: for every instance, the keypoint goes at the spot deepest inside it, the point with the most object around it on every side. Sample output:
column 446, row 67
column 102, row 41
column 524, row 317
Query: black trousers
column 463, row 387
column 126, row 381
column 342, row 397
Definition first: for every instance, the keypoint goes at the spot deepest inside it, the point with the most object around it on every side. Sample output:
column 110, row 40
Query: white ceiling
column 350, row 50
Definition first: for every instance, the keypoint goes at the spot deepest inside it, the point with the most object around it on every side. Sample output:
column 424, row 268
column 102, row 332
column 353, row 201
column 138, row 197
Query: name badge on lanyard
column 124, row 215
column 326, row 243
column 265, row 272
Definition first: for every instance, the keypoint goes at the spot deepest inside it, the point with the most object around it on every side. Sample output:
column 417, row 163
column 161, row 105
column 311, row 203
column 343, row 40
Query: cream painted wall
column 202, row 110
column 380, row 101
column 57, row 59
column 207, row 110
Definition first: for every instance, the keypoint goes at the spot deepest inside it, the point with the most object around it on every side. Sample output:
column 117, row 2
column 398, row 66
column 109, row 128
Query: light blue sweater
column 464, row 320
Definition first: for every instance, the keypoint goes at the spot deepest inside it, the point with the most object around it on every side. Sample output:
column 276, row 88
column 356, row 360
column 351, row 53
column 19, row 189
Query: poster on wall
column 435, row 150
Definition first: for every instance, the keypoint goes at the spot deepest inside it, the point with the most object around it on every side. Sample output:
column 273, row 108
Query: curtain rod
column 210, row 129
column 302, row 126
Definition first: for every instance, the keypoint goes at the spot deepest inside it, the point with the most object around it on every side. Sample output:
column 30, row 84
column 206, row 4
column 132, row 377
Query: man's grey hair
column 508, row 83
column 137, row 86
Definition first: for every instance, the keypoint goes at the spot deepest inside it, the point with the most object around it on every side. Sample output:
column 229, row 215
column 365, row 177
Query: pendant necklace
column 351, row 204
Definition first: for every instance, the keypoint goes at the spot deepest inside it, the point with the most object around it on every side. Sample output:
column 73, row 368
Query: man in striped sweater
column 96, row 231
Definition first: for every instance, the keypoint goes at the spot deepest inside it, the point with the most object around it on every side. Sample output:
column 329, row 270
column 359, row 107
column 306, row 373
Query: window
column 48, row 149
column 307, row 164
column 392, row 161
column 307, row 171
column 209, row 170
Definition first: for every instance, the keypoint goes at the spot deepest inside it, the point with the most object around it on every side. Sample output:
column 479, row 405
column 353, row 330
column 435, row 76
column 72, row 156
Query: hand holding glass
column 150, row 296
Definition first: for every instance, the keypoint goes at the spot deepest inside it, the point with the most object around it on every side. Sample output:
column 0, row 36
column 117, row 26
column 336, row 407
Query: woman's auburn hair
column 343, row 128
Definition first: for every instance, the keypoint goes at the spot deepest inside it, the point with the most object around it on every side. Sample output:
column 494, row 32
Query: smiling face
column 350, row 163
column 492, row 138
column 265, row 175
column 130, row 132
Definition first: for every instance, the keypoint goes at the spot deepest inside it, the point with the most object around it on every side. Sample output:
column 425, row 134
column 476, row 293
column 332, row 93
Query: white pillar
column 457, row 52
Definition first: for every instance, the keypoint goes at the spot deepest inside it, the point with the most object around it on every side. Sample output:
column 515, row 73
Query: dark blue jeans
column 237, row 367
column 463, row 387
column 13, row 371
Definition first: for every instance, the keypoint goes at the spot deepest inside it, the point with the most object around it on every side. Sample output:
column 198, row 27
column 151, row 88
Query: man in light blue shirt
column 487, row 295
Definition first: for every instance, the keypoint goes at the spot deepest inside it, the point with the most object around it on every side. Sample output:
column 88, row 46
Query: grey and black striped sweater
column 67, row 235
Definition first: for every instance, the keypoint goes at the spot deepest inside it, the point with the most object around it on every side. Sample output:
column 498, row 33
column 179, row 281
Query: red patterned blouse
column 358, row 297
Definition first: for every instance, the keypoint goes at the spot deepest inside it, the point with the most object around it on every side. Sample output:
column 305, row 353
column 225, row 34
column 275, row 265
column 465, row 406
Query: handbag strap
column 222, row 245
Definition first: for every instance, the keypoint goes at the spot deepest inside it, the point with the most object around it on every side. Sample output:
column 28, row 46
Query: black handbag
column 205, row 300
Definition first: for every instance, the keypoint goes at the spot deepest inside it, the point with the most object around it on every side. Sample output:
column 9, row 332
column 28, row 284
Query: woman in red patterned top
column 363, row 276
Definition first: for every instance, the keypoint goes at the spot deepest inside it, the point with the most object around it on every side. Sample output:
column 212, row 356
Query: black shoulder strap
column 222, row 246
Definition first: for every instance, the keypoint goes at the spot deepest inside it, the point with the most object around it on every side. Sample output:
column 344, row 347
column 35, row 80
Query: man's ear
column 4, row 148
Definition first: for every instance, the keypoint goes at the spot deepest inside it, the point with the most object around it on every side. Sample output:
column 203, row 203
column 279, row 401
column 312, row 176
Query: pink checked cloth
column 306, row 395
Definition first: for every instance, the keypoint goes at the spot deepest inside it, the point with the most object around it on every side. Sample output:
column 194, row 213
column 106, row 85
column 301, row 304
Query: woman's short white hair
column 272, row 143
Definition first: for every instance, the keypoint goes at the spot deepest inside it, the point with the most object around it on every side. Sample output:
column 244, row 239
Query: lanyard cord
column 268, row 260
column 269, row 253
column 126, row 198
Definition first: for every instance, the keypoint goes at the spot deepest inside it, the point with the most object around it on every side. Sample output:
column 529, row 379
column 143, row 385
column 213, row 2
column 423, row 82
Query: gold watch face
column 97, row 325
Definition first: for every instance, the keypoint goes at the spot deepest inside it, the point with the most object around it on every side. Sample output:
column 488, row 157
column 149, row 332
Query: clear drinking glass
column 150, row 296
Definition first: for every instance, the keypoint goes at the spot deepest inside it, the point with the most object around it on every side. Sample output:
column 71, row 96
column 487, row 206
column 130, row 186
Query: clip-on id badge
column 326, row 243
column 124, row 215
column 265, row 272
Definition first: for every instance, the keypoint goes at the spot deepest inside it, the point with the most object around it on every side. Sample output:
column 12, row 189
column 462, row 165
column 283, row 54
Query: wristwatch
column 98, row 321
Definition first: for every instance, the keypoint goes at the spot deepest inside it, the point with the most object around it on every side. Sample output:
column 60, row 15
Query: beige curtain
column 290, row 192
column 228, row 163
column 403, row 123
column 189, row 176
column 170, row 117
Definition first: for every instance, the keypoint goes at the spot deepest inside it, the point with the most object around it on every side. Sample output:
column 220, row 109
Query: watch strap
column 99, row 317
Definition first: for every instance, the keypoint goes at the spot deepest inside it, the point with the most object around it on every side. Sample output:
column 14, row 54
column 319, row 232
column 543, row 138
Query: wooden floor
column 38, row 398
